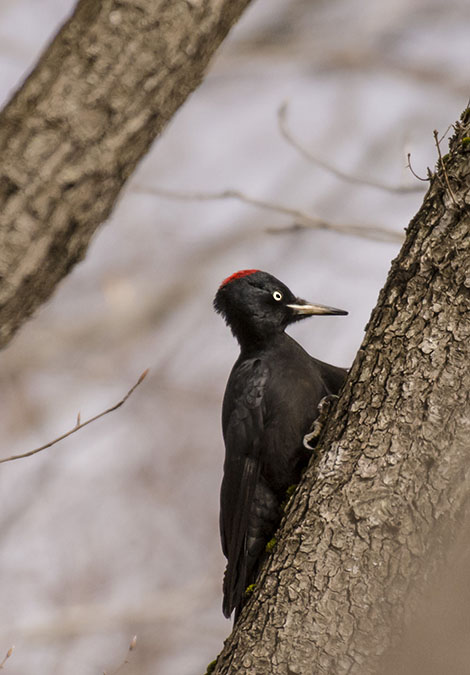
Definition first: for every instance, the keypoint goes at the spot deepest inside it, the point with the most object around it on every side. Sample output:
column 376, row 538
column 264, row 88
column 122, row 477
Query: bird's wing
column 243, row 423
column 332, row 376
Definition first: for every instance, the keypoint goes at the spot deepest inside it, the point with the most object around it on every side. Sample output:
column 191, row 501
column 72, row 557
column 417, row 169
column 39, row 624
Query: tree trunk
column 74, row 132
column 368, row 523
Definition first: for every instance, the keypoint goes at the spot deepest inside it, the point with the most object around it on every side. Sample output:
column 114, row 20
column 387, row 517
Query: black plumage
column 270, row 401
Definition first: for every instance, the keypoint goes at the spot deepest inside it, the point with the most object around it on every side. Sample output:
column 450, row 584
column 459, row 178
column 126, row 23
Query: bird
column 271, row 398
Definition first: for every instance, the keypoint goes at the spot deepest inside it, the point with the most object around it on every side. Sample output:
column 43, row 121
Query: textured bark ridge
column 366, row 527
column 74, row 132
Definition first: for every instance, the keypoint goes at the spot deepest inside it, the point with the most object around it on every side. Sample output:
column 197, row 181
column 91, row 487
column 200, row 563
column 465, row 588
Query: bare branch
column 7, row 656
column 445, row 133
column 339, row 173
column 408, row 166
column 302, row 220
column 77, row 621
column 131, row 648
column 79, row 425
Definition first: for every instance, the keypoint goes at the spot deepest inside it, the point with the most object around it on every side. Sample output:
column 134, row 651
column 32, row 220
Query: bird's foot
column 324, row 409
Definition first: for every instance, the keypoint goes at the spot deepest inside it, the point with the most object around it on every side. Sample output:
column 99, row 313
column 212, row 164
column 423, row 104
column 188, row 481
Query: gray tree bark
column 370, row 523
column 74, row 132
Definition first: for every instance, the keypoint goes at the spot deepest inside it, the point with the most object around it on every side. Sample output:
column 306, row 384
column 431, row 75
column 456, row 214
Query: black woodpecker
column 270, row 402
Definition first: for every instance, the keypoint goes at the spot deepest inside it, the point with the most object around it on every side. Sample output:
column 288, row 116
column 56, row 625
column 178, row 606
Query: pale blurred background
column 114, row 532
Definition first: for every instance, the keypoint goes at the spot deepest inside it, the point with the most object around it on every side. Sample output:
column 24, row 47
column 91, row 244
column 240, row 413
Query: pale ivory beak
column 305, row 308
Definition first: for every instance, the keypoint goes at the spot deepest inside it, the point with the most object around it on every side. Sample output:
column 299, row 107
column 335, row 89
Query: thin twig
column 343, row 175
column 301, row 218
column 443, row 166
column 131, row 648
column 7, row 656
column 445, row 133
column 408, row 166
column 79, row 425
column 362, row 231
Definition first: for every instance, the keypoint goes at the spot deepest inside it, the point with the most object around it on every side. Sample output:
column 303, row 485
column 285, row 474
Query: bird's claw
column 324, row 409
column 309, row 437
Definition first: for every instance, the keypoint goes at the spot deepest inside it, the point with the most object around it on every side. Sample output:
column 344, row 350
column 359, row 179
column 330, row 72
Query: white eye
column 277, row 295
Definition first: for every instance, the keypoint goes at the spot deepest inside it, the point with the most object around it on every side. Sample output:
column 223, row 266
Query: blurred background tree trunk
column 74, row 132
column 373, row 518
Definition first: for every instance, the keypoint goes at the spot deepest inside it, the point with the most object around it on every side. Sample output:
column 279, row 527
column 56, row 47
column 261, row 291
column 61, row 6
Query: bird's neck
column 252, row 341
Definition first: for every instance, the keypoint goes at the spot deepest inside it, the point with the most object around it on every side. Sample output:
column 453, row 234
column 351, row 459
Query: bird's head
column 256, row 306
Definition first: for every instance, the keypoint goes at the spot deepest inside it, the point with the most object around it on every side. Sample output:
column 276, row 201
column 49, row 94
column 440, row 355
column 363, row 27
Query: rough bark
column 74, row 132
column 371, row 520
